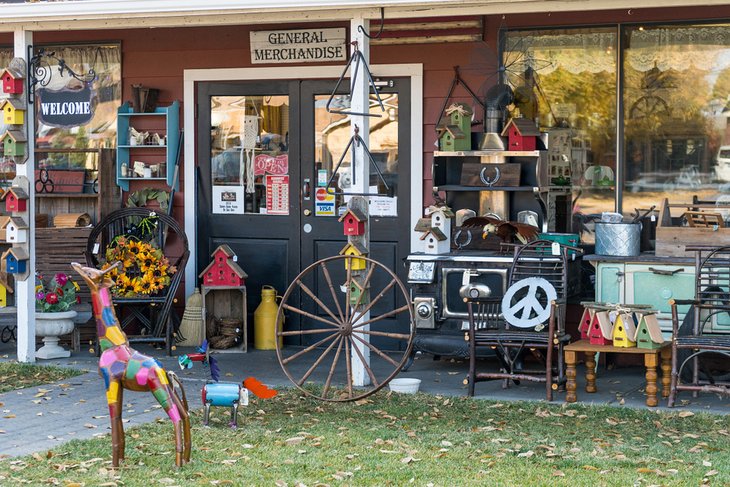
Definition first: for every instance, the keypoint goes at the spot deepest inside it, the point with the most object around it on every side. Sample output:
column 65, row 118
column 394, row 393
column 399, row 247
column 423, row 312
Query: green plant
column 140, row 197
column 58, row 294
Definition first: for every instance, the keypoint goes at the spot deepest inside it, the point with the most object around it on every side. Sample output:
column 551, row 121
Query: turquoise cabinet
column 610, row 283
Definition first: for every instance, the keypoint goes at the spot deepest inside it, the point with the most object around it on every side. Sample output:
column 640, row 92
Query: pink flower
column 51, row 298
column 61, row 279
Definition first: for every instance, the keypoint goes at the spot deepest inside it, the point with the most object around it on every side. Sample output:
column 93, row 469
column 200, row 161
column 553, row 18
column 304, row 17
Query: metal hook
column 380, row 31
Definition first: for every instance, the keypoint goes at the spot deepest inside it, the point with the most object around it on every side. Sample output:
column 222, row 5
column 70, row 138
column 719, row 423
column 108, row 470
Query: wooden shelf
column 67, row 195
column 503, row 153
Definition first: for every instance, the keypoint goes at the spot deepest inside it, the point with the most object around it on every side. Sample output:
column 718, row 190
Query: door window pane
column 250, row 154
column 677, row 83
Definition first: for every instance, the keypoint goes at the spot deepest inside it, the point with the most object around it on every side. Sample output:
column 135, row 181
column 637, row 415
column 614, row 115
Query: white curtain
column 678, row 48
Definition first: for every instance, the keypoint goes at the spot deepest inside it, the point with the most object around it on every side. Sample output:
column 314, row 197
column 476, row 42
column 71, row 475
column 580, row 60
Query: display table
column 651, row 360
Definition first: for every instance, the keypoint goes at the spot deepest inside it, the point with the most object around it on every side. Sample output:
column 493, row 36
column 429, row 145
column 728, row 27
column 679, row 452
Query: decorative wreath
column 145, row 270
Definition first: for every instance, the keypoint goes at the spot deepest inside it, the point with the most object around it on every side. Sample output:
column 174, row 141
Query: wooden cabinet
column 158, row 157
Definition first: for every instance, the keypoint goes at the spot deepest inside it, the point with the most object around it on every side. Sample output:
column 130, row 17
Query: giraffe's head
column 96, row 279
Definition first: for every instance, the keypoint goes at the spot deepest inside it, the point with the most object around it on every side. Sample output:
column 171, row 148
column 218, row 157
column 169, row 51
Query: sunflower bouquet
column 145, row 270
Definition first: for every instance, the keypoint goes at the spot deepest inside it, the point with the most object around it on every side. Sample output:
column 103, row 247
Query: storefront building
column 635, row 97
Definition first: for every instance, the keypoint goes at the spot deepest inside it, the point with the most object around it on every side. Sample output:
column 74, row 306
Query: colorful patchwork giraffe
column 122, row 367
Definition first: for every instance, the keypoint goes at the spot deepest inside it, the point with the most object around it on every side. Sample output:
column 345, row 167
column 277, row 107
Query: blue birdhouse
column 16, row 260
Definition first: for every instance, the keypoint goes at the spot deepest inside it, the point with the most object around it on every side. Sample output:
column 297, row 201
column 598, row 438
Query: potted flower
column 54, row 316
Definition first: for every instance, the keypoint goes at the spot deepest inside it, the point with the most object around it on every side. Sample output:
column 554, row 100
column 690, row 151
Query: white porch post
column 25, row 290
column 360, row 103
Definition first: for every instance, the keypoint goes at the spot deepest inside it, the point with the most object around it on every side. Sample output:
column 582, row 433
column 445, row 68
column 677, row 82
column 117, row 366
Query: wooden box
column 226, row 302
column 672, row 239
column 488, row 175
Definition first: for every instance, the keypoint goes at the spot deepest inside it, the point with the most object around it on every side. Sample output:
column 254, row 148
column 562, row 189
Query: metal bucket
column 619, row 239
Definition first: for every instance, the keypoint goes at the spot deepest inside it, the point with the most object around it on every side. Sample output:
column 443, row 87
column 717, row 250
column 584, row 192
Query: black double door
column 272, row 148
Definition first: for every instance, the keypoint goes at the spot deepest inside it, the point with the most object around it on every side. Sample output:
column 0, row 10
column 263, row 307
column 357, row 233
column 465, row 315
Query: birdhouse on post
column 354, row 250
column 358, row 294
column 12, row 81
column 13, row 143
column 455, row 131
column 223, row 270
column 441, row 218
column 16, row 199
column 624, row 331
column 435, row 241
column 353, row 222
column 601, row 329
column 648, row 333
column 521, row 134
column 16, row 260
column 13, row 112
column 16, row 230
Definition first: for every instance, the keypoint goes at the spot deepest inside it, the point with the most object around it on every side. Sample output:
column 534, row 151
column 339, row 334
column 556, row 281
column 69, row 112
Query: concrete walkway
column 41, row 418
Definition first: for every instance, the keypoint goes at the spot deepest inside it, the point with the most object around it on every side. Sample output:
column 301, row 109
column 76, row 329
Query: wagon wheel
column 335, row 334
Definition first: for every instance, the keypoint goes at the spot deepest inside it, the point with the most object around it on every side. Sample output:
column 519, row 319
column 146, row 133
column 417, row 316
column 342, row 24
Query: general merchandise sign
column 298, row 46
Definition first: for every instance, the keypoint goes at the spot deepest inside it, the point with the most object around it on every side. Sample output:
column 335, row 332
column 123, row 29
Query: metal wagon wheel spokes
column 343, row 326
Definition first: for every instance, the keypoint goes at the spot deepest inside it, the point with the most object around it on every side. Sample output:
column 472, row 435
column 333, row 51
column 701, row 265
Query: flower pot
column 52, row 326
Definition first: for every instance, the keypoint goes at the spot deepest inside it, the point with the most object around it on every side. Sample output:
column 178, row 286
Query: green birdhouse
column 13, row 143
column 455, row 131
column 648, row 333
column 358, row 295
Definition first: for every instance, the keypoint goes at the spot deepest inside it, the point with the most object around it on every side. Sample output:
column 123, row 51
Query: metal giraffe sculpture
column 122, row 367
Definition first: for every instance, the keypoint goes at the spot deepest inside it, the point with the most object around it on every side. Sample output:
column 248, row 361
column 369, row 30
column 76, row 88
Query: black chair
column 533, row 320
column 696, row 343
column 153, row 314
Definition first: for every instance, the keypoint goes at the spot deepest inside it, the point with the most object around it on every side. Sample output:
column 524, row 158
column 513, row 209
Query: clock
column 421, row 272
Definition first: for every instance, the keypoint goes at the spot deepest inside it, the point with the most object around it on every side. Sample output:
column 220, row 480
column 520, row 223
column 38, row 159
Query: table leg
column 666, row 354
column 650, row 361
column 591, row 372
column 570, row 374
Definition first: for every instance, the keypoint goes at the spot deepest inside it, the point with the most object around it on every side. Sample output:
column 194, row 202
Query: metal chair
column 153, row 314
column 530, row 317
column 698, row 339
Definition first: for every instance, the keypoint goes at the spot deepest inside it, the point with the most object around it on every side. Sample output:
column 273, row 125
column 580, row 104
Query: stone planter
column 51, row 326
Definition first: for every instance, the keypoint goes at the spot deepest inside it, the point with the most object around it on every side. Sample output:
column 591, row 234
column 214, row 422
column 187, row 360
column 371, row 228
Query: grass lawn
column 392, row 439
column 19, row 376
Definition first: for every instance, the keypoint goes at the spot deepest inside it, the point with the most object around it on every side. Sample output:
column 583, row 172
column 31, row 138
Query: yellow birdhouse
column 624, row 331
column 5, row 288
column 354, row 250
column 13, row 112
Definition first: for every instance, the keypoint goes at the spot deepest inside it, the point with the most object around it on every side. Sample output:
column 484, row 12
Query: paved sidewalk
column 77, row 407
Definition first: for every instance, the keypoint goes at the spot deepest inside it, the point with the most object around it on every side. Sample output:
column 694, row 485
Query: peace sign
column 531, row 307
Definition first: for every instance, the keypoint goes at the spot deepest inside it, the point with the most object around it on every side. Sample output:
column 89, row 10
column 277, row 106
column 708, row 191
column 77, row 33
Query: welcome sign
column 65, row 108
column 298, row 46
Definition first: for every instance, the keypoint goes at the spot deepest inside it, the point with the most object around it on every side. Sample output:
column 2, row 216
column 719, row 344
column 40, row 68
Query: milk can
column 264, row 321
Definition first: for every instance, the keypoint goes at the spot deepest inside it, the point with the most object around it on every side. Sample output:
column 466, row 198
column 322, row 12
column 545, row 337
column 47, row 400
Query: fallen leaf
column 711, row 473
column 526, row 454
column 705, row 463
column 686, row 414
column 558, row 473
column 89, row 425
column 294, row 440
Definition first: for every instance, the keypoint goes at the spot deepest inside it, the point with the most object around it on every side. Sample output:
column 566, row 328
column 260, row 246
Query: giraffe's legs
column 114, row 400
column 162, row 390
column 187, row 443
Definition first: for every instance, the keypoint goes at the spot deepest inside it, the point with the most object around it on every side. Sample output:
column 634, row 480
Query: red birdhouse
column 601, row 329
column 16, row 199
column 354, row 222
column 589, row 316
column 223, row 271
column 12, row 81
column 521, row 134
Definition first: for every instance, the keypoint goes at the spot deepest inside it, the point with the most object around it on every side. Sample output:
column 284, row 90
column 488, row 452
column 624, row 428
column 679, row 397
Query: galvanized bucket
column 618, row 239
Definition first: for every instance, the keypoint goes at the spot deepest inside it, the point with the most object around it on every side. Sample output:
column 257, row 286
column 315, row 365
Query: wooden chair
column 697, row 340
column 511, row 326
column 153, row 314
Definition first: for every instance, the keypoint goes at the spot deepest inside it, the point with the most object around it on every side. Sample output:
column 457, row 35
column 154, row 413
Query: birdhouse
column 5, row 288
column 12, row 81
column 13, row 112
column 354, row 222
column 13, row 142
column 16, row 199
column 354, row 249
column 358, row 295
column 521, row 134
column 441, row 218
column 624, row 331
column 586, row 322
column 601, row 329
column 16, row 230
column 435, row 242
column 223, row 270
column 648, row 334
column 16, row 260
column 455, row 132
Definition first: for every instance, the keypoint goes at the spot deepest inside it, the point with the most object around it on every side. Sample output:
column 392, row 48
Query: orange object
column 258, row 389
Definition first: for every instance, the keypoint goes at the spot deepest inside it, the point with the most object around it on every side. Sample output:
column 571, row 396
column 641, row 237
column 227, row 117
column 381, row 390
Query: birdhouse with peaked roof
column 13, row 112
column 224, row 269
column 455, row 131
column 16, row 199
column 435, row 242
column 353, row 221
column 355, row 250
column 522, row 134
column 586, row 322
column 648, row 333
column 358, row 294
column 16, row 260
column 14, row 142
column 441, row 217
column 16, row 230
column 601, row 329
column 624, row 331
column 13, row 81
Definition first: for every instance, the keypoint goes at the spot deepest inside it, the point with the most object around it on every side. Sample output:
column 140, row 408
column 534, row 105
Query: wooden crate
column 499, row 175
column 56, row 248
column 226, row 302
column 672, row 239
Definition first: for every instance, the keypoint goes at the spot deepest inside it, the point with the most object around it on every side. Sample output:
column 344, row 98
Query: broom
column 192, row 328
